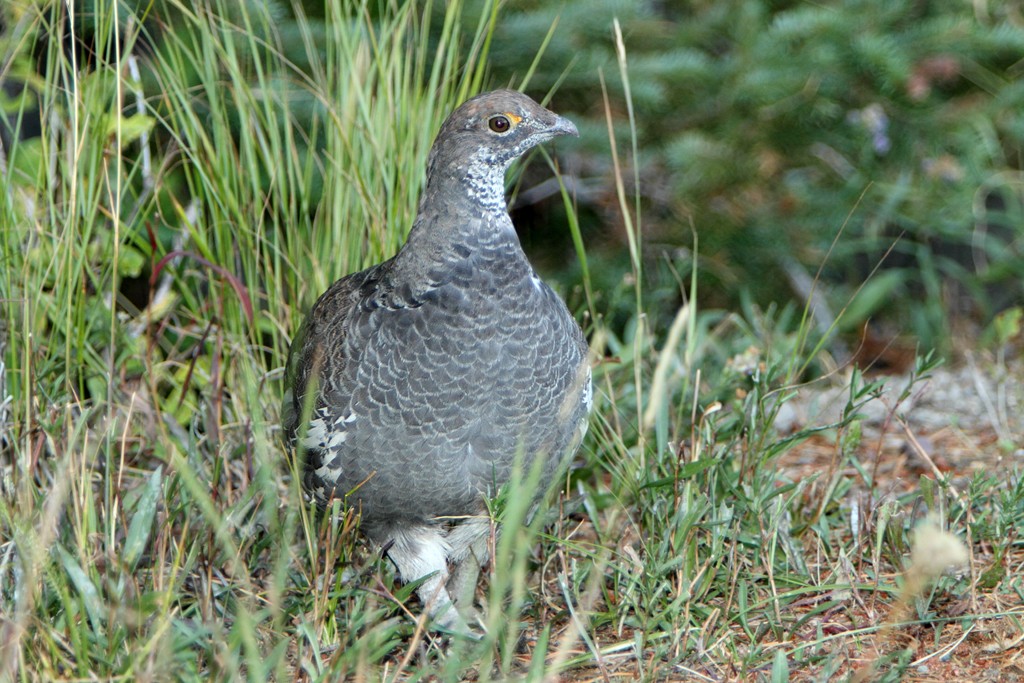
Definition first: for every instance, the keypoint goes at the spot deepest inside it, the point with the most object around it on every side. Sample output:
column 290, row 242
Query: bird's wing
column 333, row 318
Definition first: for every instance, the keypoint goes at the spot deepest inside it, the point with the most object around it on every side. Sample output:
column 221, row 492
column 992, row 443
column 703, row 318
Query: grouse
column 416, row 386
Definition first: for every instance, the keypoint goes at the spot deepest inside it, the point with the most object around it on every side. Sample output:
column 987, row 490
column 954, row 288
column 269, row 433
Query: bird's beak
column 563, row 126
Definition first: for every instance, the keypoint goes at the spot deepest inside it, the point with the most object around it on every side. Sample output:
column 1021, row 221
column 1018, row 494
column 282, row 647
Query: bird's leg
column 469, row 552
column 421, row 551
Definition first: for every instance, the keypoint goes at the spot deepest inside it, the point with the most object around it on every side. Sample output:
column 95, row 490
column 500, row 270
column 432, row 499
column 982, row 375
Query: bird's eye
column 499, row 124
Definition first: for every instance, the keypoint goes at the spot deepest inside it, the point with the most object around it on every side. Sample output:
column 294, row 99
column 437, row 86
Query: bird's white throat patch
column 486, row 181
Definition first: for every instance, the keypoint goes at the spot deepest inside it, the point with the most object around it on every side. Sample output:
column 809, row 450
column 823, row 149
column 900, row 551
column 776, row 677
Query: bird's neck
column 484, row 187
column 466, row 205
column 461, row 216
column 478, row 182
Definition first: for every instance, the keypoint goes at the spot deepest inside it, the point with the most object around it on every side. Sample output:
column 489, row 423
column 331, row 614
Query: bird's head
column 488, row 132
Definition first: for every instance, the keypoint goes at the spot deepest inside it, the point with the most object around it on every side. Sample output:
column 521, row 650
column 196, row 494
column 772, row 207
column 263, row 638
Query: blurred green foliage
column 788, row 138
column 773, row 129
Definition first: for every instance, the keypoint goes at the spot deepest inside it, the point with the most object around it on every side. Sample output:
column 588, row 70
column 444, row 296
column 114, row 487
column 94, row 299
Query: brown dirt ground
column 954, row 424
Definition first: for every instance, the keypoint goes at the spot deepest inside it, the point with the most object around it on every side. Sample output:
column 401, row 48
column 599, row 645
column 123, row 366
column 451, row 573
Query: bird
column 414, row 388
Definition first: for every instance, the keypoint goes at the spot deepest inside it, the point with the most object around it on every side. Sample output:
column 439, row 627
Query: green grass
column 150, row 525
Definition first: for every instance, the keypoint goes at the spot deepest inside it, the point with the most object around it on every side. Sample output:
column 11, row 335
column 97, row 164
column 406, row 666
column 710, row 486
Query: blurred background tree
column 790, row 138
column 773, row 129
